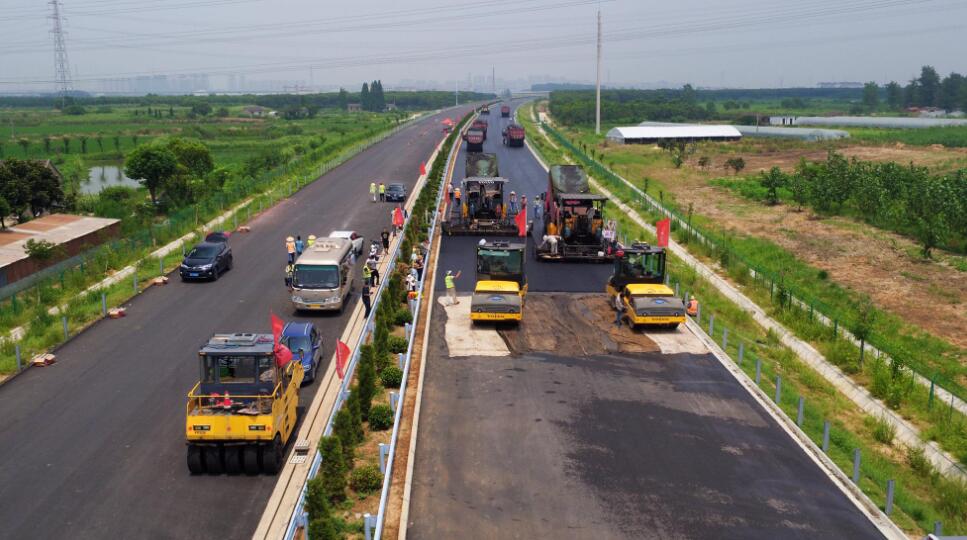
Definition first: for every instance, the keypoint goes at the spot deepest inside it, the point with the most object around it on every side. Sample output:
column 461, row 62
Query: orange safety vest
column 692, row 307
column 290, row 246
column 456, row 193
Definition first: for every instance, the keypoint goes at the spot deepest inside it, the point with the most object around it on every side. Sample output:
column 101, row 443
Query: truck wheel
column 196, row 465
column 250, row 459
column 213, row 459
column 272, row 457
column 233, row 459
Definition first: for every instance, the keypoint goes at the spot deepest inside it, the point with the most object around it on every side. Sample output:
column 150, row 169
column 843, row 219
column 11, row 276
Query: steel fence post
column 161, row 266
column 856, row 466
column 778, row 388
column 104, row 304
column 135, row 280
column 758, row 370
column 402, row 360
column 890, row 484
column 937, row 528
column 741, row 351
column 383, row 450
column 17, row 354
column 799, row 413
column 394, row 398
column 825, row 436
column 698, row 315
column 368, row 526
column 63, row 321
column 676, row 289
column 725, row 338
column 711, row 325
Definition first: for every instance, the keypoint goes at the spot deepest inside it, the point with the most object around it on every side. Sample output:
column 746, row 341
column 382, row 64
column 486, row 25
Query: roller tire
column 196, row 463
column 250, row 459
column 233, row 459
column 213, row 460
column 272, row 456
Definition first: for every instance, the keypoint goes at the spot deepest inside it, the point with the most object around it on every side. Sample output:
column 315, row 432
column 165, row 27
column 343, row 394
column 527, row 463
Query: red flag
column 282, row 353
column 342, row 358
column 662, row 230
column 398, row 217
column 521, row 222
column 422, row 168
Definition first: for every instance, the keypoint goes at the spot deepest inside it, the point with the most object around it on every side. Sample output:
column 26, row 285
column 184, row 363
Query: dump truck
column 480, row 125
column 482, row 209
column 573, row 222
column 639, row 278
column 475, row 139
column 513, row 135
column 501, row 283
column 242, row 411
column 481, row 164
column 485, row 109
column 505, row 111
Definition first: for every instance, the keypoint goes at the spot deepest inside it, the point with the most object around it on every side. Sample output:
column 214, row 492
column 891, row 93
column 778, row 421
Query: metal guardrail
column 299, row 516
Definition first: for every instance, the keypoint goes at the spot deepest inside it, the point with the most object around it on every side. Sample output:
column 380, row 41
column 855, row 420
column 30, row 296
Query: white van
column 324, row 275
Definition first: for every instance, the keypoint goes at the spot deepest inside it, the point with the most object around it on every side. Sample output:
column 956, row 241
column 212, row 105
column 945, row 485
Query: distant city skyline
column 171, row 46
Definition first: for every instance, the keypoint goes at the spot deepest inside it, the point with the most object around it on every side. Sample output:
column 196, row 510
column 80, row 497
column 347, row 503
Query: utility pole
column 493, row 78
column 456, row 93
column 597, row 106
column 62, row 72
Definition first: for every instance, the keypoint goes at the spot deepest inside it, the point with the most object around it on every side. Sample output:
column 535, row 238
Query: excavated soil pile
column 572, row 324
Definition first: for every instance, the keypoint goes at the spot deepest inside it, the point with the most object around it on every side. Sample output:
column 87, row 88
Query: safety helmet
column 312, row 237
column 290, row 239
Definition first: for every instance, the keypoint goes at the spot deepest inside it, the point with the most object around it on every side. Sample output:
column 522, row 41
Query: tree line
column 927, row 90
column 628, row 106
column 905, row 198
column 27, row 186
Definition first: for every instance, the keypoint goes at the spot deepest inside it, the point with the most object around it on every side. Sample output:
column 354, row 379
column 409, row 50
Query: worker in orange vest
column 456, row 195
column 692, row 308
column 290, row 248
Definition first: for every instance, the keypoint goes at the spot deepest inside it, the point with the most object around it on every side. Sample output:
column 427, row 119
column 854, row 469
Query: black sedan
column 395, row 193
column 207, row 260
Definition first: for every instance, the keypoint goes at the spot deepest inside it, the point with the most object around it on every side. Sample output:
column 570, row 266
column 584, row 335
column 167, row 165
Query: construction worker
column 451, row 286
column 382, row 192
column 367, row 274
column 374, row 269
column 450, row 191
column 310, row 241
column 299, row 245
column 385, row 236
column 513, row 202
column 418, row 266
column 290, row 248
column 364, row 295
column 619, row 307
column 692, row 307
column 372, row 190
column 289, row 269
column 456, row 195
column 552, row 229
column 523, row 203
column 537, row 208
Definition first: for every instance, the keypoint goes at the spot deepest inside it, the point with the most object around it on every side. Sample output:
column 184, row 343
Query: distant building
column 72, row 234
column 840, row 84
column 654, row 134
column 255, row 111
column 782, row 120
column 390, row 106
column 354, row 107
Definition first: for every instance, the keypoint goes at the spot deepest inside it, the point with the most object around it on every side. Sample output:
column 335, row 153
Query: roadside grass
column 922, row 496
column 44, row 331
column 951, row 137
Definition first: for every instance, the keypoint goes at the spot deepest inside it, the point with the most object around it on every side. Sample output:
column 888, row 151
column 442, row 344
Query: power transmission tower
column 597, row 106
column 62, row 72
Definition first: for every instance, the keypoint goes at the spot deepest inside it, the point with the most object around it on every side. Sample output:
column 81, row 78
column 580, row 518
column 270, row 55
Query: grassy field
column 953, row 137
column 922, row 495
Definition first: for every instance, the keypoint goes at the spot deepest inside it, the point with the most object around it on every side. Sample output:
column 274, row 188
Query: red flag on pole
column 342, row 358
column 662, row 230
column 521, row 222
column 282, row 353
column 422, row 167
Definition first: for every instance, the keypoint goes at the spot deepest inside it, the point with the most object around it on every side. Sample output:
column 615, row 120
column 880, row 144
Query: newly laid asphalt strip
column 608, row 446
column 93, row 447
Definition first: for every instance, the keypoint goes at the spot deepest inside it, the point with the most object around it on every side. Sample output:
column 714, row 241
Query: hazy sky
column 737, row 43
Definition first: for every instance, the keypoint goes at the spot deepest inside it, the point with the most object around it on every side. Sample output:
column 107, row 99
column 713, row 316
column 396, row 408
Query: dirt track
column 572, row 325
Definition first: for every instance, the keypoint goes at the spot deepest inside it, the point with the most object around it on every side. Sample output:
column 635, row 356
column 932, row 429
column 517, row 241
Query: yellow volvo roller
column 242, row 412
column 639, row 276
column 501, row 284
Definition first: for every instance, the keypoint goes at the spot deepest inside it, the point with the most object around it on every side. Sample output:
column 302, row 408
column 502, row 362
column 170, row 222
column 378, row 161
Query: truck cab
column 651, row 304
column 501, row 283
column 242, row 411
column 505, row 111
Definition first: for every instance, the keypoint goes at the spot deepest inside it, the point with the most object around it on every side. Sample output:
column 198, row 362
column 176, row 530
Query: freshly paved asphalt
column 527, row 177
column 93, row 447
column 633, row 446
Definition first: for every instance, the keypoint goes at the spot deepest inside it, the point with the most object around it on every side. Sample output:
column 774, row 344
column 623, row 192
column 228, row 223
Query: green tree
column 871, row 96
column 711, row 109
column 379, row 100
column 222, row 112
column 927, row 209
column 929, row 86
column 117, row 143
column 736, row 164
column 367, row 379
column 66, row 141
column 364, row 98
column 194, row 157
column 343, row 100
column 46, row 145
column 772, row 181
column 100, row 142
column 201, row 109
column 356, row 414
column 894, row 95
column 153, row 166
column 14, row 187
column 25, row 144
column 5, row 211
column 911, row 94
column 83, row 139
column 171, row 112
column 342, row 426
column 799, row 186
column 950, row 91
column 333, row 469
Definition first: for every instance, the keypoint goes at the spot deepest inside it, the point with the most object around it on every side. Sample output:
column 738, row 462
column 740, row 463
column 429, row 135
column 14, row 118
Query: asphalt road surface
column 608, row 447
column 93, row 447
column 527, row 177
column 621, row 446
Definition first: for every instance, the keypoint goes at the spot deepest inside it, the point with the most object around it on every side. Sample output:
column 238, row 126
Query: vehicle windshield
column 495, row 261
column 396, row 187
column 639, row 265
column 294, row 343
column 316, row 276
column 231, row 369
column 203, row 252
